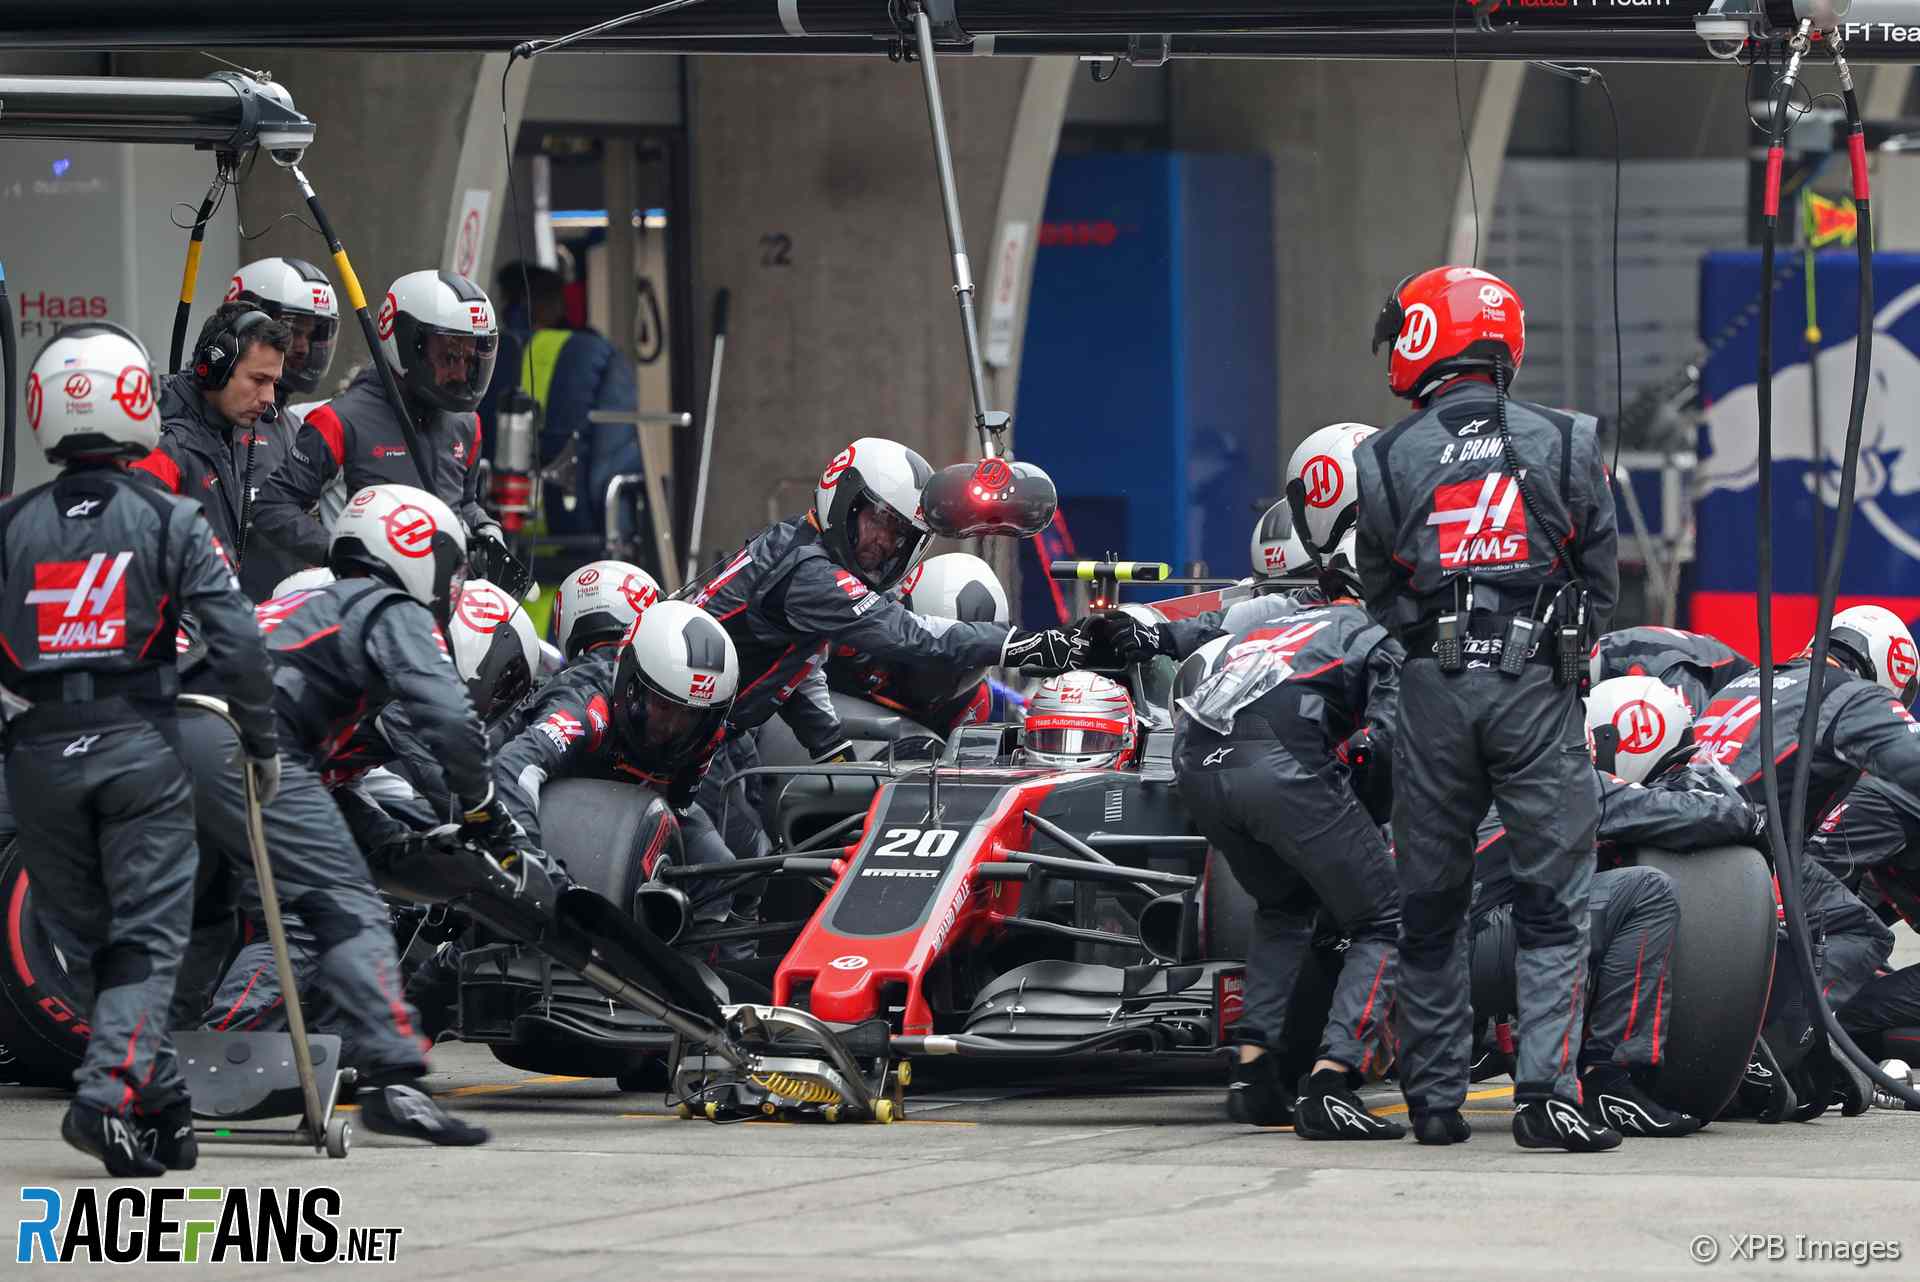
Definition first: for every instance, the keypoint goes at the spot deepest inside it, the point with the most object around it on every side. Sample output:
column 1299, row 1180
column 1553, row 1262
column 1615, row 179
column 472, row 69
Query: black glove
column 1759, row 824
column 486, row 823
column 681, row 790
column 1132, row 640
column 1049, row 652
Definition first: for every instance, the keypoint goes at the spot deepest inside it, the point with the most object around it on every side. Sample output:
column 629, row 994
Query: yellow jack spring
column 800, row 1090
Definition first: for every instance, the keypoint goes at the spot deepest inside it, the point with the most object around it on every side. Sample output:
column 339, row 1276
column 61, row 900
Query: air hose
column 1785, row 834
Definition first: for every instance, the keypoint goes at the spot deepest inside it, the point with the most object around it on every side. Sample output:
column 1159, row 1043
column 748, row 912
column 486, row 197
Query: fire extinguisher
column 516, row 459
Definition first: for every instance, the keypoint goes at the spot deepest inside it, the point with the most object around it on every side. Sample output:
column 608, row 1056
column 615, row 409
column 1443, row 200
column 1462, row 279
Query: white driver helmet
column 674, row 685
column 874, row 480
column 437, row 331
column 296, row 293
column 1321, row 486
column 1080, row 720
column 495, row 648
column 314, row 576
column 406, row 537
column 90, row 395
column 957, row 585
column 1633, row 723
column 1276, row 549
column 1877, row 641
column 598, row 602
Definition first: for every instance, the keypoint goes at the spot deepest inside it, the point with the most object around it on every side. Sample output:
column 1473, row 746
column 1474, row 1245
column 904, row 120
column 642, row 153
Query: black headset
column 213, row 364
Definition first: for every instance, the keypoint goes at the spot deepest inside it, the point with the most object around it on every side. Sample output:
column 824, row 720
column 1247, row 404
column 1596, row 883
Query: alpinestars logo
column 1480, row 522
column 82, row 604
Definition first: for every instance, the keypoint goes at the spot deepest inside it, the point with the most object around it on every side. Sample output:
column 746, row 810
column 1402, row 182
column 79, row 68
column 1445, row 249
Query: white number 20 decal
column 929, row 843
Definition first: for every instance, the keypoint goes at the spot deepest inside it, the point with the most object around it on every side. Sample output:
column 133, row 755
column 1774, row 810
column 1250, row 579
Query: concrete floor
column 583, row 1181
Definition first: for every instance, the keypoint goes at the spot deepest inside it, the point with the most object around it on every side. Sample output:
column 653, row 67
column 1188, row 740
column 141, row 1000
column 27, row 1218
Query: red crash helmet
column 1447, row 322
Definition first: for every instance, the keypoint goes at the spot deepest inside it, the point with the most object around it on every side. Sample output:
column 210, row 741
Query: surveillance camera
column 1725, row 37
column 286, row 144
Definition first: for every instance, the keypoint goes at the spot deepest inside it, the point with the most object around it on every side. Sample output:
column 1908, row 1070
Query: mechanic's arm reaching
column 1872, row 828
column 416, row 668
column 367, row 819
column 283, row 512
column 235, row 653
column 1672, row 815
column 1874, row 732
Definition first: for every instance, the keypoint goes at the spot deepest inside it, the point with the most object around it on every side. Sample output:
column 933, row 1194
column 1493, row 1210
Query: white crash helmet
column 314, row 576
column 1321, row 485
column 495, row 648
column 90, row 395
column 1080, row 720
column 874, row 479
column 957, row 585
column 1276, row 549
column 428, row 316
column 1633, row 723
column 406, row 537
column 598, row 602
column 296, row 293
column 1879, row 645
column 674, row 685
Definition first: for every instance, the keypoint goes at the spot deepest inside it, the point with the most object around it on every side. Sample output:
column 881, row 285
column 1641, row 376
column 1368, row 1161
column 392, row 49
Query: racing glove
column 1048, row 652
column 681, row 790
column 1130, row 640
column 266, row 777
column 487, row 823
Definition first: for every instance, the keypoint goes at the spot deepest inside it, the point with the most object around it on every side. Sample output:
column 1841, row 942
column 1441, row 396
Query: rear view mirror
column 991, row 497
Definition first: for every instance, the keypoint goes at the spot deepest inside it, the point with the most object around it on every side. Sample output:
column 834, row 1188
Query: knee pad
column 1429, row 921
column 1540, row 920
column 330, row 921
column 120, row 965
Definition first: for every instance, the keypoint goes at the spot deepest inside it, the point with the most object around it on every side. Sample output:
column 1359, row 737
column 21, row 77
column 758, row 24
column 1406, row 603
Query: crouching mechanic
column 653, row 717
column 801, row 586
column 341, row 653
column 1257, row 771
column 1695, row 665
column 95, row 569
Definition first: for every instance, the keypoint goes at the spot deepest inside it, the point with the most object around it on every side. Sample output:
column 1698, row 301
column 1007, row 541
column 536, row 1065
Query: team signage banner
column 1883, row 553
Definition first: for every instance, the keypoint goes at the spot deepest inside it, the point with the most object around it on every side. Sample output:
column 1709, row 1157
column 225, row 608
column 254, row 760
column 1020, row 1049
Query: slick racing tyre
column 611, row 836
column 43, row 1030
column 1722, row 968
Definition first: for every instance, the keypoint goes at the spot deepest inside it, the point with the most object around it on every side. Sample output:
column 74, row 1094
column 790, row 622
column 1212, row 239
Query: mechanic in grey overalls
column 95, row 568
column 1487, row 545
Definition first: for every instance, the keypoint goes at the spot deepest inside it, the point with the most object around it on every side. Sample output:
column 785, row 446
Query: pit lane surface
column 1094, row 1179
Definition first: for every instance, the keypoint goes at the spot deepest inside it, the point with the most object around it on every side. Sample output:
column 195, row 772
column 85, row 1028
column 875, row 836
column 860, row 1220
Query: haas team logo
column 133, row 392
column 482, row 610
column 702, row 686
column 1480, row 522
column 1902, row 660
column 1640, row 725
column 385, row 322
column 638, row 592
column 82, row 604
column 1323, row 480
column 841, row 462
column 410, row 530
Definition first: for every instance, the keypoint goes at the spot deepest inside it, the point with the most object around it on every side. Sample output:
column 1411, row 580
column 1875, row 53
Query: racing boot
column 1257, row 1097
column 1613, row 1100
column 115, row 1141
column 172, row 1142
column 1559, row 1123
column 402, row 1108
column 1899, row 1071
column 1325, row 1109
column 1442, row 1126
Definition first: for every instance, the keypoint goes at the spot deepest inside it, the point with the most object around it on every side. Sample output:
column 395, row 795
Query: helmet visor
column 458, row 366
column 310, row 353
column 661, row 731
column 884, row 543
column 1074, row 741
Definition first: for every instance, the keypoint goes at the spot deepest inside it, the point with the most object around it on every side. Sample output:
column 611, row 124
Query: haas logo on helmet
column 410, row 530
column 133, row 392
column 233, row 289
column 78, row 387
column 841, row 462
column 482, row 610
column 385, row 323
column 702, row 687
column 1323, row 479
column 1902, row 661
column 1640, row 725
column 34, row 395
column 638, row 592
column 1420, row 332
column 588, row 578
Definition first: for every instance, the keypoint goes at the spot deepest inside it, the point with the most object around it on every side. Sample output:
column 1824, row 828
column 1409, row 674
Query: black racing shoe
column 1442, row 1126
column 1326, row 1110
column 1612, row 1100
column 172, row 1141
column 1257, row 1097
column 402, row 1109
column 1558, row 1123
column 114, row 1140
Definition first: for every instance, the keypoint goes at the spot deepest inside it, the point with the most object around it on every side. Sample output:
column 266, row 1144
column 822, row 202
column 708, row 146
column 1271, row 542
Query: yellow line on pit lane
column 462, row 1092
column 1496, row 1092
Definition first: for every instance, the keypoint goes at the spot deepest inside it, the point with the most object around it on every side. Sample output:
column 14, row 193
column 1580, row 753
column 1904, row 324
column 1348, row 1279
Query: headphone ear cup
column 213, row 367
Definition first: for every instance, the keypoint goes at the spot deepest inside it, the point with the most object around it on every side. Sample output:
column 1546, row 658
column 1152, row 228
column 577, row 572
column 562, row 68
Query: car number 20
column 917, row 843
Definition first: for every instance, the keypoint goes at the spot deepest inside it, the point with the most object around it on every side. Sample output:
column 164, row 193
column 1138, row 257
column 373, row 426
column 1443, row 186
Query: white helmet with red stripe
column 1277, row 549
column 868, row 507
column 90, row 395
column 674, row 685
column 1321, row 486
column 598, row 602
column 296, row 293
column 437, row 331
column 1877, row 642
column 495, row 648
column 407, row 537
column 1634, row 723
column 1079, row 720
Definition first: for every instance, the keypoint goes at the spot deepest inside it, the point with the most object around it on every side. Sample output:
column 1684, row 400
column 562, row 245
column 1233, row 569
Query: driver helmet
column 438, row 333
column 1634, row 724
column 495, row 648
column 1277, row 550
column 598, row 602
column 868, row 510
column 1322, row 486
column 299, row 296
column 90, row 395
column 1446, row 322
column 406, row 537
column 1874, row 642
column 673, row 686
column 1080, row 721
